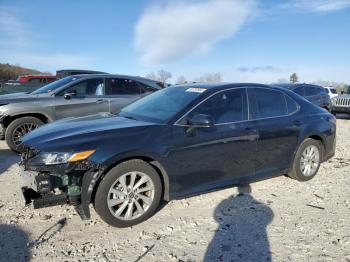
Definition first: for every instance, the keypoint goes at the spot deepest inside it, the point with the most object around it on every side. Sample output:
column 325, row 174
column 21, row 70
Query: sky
column 245, row 40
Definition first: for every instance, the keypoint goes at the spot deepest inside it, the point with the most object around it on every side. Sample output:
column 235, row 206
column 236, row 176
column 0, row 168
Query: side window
column 118, row 86
column 292, row 106
column 299, row 90
column 224, row 107
column 311, row 91
column 91, row 87
column 146, row 88
column 270, row 103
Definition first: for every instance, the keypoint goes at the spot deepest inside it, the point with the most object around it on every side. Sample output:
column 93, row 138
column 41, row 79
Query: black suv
column 315, row 94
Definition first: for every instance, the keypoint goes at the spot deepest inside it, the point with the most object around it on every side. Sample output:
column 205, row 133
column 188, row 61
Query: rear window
column 270, row 103
column 312, row 91
column 333, row 91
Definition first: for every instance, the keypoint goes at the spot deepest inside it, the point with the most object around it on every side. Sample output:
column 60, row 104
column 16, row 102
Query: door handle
column 100, row 101
column 298, row 122
column 250, row 131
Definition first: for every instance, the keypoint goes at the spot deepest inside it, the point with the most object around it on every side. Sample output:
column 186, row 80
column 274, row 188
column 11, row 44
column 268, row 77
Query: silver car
column 72, row 96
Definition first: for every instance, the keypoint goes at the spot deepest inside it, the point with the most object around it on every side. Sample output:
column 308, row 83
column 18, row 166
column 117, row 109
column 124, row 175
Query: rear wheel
column 129, row 194
column 307, row 160
column 19, row 128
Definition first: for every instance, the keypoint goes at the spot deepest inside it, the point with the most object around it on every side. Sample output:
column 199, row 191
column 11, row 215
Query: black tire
column 102, row 193
column 296, row 172
column 14, row 125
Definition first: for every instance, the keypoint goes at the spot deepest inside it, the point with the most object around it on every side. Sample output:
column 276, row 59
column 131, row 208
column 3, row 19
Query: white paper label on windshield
column 195, row 89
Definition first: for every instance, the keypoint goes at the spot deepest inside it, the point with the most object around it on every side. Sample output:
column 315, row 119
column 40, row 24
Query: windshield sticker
column 196, row 89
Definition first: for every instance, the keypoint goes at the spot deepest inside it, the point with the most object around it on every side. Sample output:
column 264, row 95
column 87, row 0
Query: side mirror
column 70, row 94
column 201, row 120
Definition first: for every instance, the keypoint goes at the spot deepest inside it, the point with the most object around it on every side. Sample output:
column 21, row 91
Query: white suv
column 331, row 91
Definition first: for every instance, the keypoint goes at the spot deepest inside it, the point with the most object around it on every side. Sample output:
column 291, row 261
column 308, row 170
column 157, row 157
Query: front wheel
column 19, row 128
column 307, row 160
column 128, row 194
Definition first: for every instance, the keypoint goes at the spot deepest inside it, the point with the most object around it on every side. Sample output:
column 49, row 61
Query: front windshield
column 162, row 105
column 54, row 85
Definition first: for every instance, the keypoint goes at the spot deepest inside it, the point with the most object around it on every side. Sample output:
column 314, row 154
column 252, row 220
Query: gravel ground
column 277, row 219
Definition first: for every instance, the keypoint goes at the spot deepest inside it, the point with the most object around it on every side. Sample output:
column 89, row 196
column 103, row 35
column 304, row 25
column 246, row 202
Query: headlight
column 60, row 158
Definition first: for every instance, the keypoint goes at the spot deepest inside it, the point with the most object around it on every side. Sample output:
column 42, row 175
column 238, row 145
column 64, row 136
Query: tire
column 297, row 172
column 27, row 124
column 110, row 189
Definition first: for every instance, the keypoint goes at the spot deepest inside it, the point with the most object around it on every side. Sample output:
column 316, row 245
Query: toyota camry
column 179, row 141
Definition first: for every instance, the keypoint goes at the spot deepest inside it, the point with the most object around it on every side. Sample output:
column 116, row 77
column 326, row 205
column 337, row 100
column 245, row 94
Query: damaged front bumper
column 52, row 185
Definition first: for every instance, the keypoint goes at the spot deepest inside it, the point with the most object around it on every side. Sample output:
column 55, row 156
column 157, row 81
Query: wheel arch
column 42, row 116
column 164, row 177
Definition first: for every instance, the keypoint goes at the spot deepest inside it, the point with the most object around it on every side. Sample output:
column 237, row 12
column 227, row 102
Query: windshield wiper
column 130, row 117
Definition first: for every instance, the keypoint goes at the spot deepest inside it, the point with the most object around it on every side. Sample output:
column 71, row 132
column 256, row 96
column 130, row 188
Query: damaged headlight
column 60, row 158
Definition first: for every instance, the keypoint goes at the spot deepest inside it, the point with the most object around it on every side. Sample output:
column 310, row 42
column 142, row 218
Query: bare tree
column 210, row 77
column 181, row 80
column 293, row 78
column 152, row 76
column 163, row 76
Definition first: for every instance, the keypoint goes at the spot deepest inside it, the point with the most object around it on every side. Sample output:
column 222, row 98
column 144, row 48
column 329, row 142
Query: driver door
column 84, row 98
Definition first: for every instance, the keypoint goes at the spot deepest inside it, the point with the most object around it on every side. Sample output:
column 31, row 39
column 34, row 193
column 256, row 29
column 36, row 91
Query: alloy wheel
column 310, row 160
column 130, row 195
column 22, row 130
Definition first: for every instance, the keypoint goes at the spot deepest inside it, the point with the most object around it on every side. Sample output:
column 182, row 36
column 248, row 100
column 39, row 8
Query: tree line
column 11, row 72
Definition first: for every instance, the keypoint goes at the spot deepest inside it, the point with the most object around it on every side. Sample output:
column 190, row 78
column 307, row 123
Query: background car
column 72, row 96
column 179, row 141
column 331, row 91
column 341, row 103
column 315, row 94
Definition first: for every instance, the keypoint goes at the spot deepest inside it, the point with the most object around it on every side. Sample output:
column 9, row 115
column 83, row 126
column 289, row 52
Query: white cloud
column 172, row 30
column 318, row 5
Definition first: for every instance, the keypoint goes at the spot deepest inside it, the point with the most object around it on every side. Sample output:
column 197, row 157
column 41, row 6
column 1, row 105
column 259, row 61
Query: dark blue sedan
column 179, row 141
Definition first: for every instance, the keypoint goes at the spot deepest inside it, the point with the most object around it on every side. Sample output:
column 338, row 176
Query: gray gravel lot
column 278, row 219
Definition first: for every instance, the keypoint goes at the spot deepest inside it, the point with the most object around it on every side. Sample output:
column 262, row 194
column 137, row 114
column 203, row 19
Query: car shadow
column 14, row 244
column 7, row 159
column 241, row 233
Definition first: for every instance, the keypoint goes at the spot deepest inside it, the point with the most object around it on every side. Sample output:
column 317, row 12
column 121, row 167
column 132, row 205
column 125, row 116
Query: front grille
column 341, row 101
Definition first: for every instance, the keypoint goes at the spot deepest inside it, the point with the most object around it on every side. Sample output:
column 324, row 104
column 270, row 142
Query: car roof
column 115, row 75
column 293, row 86
column 224, row 85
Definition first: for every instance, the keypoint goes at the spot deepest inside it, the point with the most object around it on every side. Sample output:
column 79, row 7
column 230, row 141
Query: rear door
column 278, row 129
column 89, row 99
column 122, row 92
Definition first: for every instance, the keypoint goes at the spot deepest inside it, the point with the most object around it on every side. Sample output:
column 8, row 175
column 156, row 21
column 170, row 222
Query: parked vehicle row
column 30, row 83
column 317, row 95
column 179, row 141
column 72, row 96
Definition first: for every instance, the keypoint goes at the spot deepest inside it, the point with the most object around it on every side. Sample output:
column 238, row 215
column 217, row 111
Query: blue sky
column 245, row 40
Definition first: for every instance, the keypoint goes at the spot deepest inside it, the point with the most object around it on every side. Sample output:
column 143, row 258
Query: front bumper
column 341, row 109
column 72, row 184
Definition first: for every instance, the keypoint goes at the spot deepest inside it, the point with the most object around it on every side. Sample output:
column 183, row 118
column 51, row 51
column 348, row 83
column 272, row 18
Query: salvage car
column 179, row 141
column 72, row 96
column 315, row 94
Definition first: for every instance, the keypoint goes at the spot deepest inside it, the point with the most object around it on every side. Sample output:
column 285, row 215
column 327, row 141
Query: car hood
column 77, row 133
column 16, row 98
